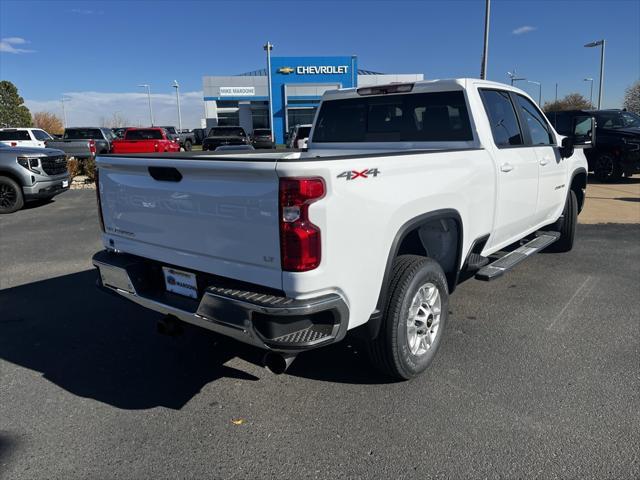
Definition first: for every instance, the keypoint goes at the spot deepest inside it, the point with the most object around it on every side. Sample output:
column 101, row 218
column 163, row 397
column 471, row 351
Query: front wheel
column 187, row 146
column 607, row 168
column 11, row 199
column 566, row 225
column 414, row 319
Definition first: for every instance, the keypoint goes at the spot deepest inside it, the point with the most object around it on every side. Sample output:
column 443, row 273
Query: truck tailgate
column 215, row 216
column 73, row 148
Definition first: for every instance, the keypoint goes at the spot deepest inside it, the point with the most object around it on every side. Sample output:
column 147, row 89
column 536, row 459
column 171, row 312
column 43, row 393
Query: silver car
column 30, row 174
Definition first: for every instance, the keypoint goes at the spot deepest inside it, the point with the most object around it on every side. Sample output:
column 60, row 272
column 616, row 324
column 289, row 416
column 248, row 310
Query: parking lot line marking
column 556, row 324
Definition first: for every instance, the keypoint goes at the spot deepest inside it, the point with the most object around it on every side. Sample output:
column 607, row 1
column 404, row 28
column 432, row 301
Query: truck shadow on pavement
column 98, row 346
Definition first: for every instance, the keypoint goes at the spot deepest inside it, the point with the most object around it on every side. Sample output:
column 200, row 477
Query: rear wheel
column 414, row 320
column 11, row 199
column 607, row 168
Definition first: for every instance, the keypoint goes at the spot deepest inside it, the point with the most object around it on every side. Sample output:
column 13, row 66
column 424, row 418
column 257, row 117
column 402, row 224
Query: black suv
column 617, row 150
column 225, row 136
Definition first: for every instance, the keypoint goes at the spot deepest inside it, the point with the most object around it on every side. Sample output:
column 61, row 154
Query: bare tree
column 115, row 121
column 49, row 122
column 632, row 98
column 573, row 101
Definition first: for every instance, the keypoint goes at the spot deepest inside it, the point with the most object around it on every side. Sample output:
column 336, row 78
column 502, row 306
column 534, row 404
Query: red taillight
column 92, row 146
column 299, row 238
column 100, row 217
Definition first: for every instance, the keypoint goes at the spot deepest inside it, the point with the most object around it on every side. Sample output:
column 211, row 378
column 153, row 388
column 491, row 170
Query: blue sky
column 97, row 52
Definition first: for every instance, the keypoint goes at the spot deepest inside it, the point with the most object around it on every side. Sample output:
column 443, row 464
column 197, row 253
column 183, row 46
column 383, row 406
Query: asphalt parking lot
column 538, row 377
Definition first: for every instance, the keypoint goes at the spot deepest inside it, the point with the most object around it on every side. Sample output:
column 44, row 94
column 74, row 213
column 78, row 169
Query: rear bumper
column 46, row 189
column 259, row 318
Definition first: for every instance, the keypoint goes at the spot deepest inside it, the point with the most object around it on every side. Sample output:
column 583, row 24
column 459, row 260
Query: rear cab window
column 147, row 134
column 82, row 133
column 408, row 117
column 6, row 135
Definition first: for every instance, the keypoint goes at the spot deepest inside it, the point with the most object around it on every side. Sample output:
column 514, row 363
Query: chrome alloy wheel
column 423, row 320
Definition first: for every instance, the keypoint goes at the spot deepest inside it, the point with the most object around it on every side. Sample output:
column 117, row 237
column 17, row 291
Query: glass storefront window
column 300, row 116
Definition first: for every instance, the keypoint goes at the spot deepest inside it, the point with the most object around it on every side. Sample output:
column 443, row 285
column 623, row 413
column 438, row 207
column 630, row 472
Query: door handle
column 506, row 167
column 544, row 161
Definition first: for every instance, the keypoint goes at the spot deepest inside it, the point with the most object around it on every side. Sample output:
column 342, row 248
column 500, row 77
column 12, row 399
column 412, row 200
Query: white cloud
column 91, row 108
column 523, row 29
column 7, row 45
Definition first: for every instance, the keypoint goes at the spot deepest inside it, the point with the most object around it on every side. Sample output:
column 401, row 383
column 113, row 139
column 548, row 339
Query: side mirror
column 583, row 135
column 584, row 132
column 566, row 150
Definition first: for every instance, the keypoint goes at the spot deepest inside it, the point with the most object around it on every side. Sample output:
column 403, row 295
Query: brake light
column 92, row 146
column 386, row 89
column 299, row 238
column 100, row 217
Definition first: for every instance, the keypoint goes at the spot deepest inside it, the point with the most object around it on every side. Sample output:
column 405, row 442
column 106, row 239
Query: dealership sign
column 237, row 91
column 316, row 70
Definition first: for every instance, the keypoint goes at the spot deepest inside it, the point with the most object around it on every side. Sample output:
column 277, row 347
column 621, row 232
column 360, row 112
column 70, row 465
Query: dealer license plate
column 183, row 283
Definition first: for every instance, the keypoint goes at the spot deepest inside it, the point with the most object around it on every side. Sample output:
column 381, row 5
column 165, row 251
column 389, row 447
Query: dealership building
column 297, row 84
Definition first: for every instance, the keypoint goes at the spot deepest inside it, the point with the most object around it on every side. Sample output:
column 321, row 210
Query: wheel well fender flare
column 402, row 233
column 581, row 186
column 12, row 176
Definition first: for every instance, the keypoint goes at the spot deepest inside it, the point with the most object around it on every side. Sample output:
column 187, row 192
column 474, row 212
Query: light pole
column 590, row 80
column 485, row 49
column 601, row 44
column 64, row 112
column 148, row 87
column 268, row 47
column 539, row 91
column 514, row 78
column 177, row 87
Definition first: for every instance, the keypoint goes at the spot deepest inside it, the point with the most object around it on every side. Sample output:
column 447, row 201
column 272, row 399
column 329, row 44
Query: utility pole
column 601, row 44
column 485, row 50
column 514, row 78
column 148, row 87
column 64, row 114
column 556, row 91
column 539, row 84
column 268, row 47
column 177, row 87
column 590, row 80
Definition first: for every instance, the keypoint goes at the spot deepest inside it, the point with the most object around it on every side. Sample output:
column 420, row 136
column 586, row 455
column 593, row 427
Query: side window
column 502, row 117
column 41, row 135
column 535, row 122
column 561, row 122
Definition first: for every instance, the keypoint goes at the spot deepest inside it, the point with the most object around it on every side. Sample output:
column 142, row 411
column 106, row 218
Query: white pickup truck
column 404, row 191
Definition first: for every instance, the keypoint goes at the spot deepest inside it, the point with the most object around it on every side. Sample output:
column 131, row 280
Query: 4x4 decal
column 354, row 174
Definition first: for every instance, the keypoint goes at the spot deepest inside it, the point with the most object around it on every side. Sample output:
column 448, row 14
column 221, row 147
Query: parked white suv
column 405, row 190
column 24, row 137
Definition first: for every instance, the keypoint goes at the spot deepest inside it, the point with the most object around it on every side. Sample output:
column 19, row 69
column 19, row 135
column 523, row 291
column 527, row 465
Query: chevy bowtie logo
column 285, row 70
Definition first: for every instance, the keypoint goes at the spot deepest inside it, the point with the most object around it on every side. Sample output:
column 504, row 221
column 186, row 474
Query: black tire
column 607, row 168
column 566, row 225
column 187, row 146
column 391, row 351
column 11, row 198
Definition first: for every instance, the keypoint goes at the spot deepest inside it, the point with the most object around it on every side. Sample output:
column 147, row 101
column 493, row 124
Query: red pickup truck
column 145, row 140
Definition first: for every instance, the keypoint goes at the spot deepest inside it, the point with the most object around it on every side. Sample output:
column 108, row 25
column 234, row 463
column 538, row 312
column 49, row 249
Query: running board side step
column 511, row 259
